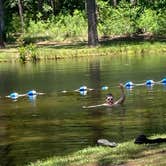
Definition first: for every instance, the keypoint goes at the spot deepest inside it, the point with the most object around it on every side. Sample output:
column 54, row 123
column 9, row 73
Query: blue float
column 13, row 95
column 32, row 93
column 83, row 93
column 104, row 88
column 163, row 81
column 83, row 88
column 149, row 82
column 32, row 97
column 129, row 84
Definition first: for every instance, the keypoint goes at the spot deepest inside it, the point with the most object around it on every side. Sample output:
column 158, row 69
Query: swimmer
column 109, row 101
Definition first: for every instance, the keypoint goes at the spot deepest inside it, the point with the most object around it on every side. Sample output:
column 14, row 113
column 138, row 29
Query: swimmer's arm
column 94, row 106
column 122, row 98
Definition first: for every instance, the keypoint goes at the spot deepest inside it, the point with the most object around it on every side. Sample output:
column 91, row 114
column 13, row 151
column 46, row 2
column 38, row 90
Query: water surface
column 56, row 123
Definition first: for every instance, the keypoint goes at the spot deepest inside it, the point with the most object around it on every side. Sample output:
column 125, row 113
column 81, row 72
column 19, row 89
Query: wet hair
column 109, row 95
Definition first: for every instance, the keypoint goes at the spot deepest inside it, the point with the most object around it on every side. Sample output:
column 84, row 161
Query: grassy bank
column 72, row 51
column 10, row 53
column 126, row 153
column 47, row 50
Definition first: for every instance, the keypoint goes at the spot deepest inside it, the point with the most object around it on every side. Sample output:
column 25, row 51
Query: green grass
column 49, row 51
column 70, row 51
column 8, row 54
column 124, row 153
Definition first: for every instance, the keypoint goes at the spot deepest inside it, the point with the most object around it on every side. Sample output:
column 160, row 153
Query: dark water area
column 55, row 124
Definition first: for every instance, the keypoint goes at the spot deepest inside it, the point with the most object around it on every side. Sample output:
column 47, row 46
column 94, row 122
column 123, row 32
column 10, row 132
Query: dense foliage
column 60, row 20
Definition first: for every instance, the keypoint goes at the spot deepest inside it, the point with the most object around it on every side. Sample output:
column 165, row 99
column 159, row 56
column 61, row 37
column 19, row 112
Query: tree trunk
column 21, row 15
column 92, row 23
column 53, row 7
column 39, row 5
column 115, row 2
column 133, row 2
column 2, row 44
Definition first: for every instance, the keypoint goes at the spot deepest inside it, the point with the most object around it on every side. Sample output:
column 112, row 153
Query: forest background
column 28, row 21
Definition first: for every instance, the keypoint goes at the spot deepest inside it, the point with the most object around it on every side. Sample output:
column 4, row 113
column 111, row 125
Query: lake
column 55, row 123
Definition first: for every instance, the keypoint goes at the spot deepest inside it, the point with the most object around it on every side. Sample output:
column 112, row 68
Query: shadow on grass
column 127, row 40
column 107, row 41
column 29, row 40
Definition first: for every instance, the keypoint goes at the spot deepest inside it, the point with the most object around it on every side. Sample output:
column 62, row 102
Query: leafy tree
column 153, row 4
column 153, row 22
column 148, row 21
column 117, row 21
column 114, row 17
column 71, row 5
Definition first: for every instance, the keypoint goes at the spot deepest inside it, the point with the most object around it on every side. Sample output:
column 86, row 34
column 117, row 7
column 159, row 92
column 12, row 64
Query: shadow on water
column 6, row 159
column 95, row 78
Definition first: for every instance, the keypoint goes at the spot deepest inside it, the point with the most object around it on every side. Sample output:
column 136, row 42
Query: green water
column 56, row 123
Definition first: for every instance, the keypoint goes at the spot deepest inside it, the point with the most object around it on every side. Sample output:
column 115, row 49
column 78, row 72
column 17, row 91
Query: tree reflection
column 95, row 79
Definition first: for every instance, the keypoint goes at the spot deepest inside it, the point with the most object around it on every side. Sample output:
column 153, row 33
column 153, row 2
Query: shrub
column 28, row 52
column 32, row 52
column 117, row 21
column 148, row 21
column 59, row 28
column 161, row 22
column 22, row 54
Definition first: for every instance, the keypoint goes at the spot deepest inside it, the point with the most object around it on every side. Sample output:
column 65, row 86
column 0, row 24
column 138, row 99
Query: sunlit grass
column 102, row 50
column 123, row 153
column 54, row 52
column 8, row 54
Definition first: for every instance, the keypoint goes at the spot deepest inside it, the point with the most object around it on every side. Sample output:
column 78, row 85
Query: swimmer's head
column 109, row 99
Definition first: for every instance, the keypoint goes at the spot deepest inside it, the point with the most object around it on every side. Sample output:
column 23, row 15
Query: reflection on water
column 38, row 127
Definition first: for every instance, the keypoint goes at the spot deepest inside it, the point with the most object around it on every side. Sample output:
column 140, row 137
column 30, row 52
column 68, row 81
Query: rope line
column 84, row 89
